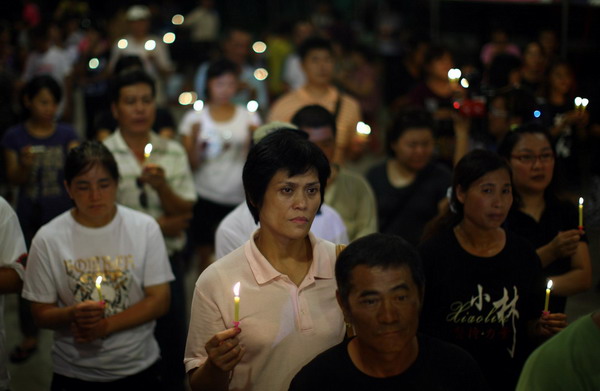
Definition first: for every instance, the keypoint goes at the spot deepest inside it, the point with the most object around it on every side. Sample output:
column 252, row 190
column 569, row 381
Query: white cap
column 138, row 12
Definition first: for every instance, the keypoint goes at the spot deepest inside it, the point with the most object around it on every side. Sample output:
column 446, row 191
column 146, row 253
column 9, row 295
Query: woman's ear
column 67, row 188
column 460, row 194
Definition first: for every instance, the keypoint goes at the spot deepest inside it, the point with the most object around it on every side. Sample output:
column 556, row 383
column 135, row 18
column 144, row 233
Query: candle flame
column 580, row 200
column 549, row 285
column 578, row 101
column 236, row 289
column 584, row 102
column 363, row 128
column 147, row 150
column 454, row 74
column 98, row 281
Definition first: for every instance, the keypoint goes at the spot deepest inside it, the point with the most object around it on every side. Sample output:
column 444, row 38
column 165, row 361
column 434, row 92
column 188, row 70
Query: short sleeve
column 39, row 285
column 158, row 268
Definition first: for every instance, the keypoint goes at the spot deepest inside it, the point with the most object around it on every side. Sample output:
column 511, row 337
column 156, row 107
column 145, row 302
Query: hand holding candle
column 99, row 287
column 236, row 302
column 548, row 289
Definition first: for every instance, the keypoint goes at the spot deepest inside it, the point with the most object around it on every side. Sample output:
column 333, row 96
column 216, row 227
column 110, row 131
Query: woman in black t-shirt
column 484, row 286
column 549, row 224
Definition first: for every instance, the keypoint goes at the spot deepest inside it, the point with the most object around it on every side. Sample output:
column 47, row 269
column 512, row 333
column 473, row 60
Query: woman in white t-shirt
column 217, row 138
column 98, row 275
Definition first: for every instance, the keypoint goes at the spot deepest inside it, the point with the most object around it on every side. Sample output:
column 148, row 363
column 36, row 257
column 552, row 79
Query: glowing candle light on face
column 236, row 302
column 548, row 289
column 99, row 287
column 580, row 213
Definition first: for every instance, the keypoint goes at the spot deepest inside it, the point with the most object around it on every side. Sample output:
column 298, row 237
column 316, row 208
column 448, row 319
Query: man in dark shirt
column 380, row 290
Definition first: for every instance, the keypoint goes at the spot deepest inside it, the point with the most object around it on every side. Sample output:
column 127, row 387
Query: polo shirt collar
column 158, row 143
column 264, row 272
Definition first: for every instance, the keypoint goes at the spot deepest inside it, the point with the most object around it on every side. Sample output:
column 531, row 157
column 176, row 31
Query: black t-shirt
column 439, row 366
column 483, row 304
column 557, row 216
column 405, row 211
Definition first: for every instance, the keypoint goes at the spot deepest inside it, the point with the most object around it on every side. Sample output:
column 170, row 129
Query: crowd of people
column 354, row 220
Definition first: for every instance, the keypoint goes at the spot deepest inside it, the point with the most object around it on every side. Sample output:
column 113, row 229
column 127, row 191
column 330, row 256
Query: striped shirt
column 171, row 156
column 348, row 115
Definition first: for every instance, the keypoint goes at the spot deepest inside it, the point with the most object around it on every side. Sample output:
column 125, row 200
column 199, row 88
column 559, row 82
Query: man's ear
column 343, row 306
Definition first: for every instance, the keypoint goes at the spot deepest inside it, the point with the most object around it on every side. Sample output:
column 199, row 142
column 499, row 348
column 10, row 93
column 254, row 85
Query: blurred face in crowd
column 42, row 106
column 439, row 67
column 323, row 138
column 487, row 201
column 533, row 57
column 318, row 66
column 383, row 306
column 139, row 28
column 561, row 79
column 532, row 161
column 290, row 204
column 414, row 148
column 237, row 47
column 221, row 89
column 135, row 110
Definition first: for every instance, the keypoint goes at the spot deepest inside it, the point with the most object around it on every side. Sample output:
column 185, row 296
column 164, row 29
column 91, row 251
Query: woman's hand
column 550, row 324
column 565, row 243
column 224, row 349
column 88, row 321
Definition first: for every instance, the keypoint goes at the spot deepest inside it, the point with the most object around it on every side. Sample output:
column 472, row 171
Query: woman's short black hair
column 38, row 83
column 128, row 78
column 218, row 68
column 87, row 155
column 377, row 250
column 410, row 118
column 285, row 149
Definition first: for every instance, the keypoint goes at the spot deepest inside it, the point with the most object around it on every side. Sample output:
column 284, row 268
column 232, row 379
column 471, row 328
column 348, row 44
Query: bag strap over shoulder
column 338, row 249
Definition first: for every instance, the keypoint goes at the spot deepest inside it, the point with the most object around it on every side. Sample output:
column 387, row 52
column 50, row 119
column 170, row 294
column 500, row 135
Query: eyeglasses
column 545, row 157
column 143, row 195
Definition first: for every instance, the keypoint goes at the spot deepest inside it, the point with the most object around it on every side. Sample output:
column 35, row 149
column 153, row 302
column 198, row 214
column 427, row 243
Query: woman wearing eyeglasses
column 549, row 224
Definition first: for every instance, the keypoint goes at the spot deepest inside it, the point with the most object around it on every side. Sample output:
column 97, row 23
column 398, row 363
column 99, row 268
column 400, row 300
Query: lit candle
column 454, row 75
column 580, row 213
column 236, row 302
column 363, row 130
column 99, row 287
column 581, row 103
column 584, row 103
column 548, row 289
column 147, row 151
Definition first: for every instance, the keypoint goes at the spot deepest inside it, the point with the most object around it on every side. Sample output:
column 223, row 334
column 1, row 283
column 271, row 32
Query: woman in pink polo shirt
column 288, row 311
